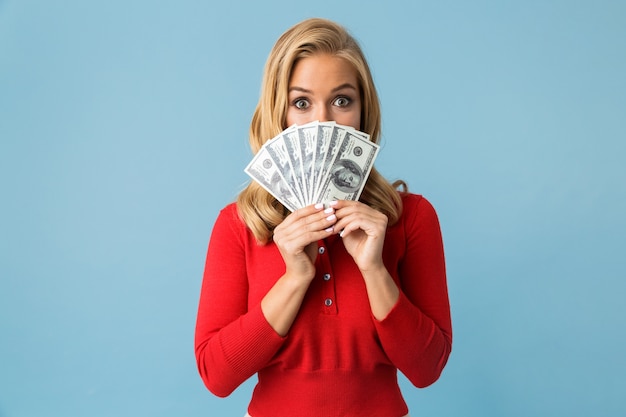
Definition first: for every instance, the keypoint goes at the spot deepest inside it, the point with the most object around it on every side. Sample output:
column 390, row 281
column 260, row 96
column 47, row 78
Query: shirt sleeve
column 417, row 332
column 232, row 342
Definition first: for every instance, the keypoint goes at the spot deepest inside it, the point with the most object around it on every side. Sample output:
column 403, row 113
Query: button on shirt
column 327, row 290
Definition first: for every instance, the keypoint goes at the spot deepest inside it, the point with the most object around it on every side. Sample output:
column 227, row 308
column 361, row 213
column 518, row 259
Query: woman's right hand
column 297, row 236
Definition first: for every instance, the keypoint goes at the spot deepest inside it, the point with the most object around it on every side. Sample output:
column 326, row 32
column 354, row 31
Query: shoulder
column 417, row 209
column 230, row 211
column 415, row 203
column 228, row 219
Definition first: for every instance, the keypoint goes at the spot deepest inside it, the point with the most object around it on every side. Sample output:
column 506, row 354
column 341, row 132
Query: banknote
column 291, row 141
column 264, row 171
column 307, row 137
column 315, row 162
column 331, row 136
column 350, row 168
column 279, row 153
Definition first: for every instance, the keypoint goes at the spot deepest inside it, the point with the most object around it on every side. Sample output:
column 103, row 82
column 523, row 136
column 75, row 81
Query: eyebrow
column 338, row 88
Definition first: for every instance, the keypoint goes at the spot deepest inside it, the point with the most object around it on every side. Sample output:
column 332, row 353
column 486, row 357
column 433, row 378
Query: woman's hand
column 297, row 236
column 363, row 231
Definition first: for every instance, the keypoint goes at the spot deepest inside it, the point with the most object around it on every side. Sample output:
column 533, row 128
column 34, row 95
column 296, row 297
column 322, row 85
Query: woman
column 326, row 303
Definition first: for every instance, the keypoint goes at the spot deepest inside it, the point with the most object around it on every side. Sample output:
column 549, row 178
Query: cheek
column 288, row 119
column 295, row 118
column 350, row 119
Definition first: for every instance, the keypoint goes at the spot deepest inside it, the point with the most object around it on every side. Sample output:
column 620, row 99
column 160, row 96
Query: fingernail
column 328, row 210
column 333, row 203
column 331, row 217
column 319, row 206
column 330, row 229
column 341, row 234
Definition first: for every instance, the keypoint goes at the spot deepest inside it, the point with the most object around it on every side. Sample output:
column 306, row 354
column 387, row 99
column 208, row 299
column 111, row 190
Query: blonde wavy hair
column 259, row 210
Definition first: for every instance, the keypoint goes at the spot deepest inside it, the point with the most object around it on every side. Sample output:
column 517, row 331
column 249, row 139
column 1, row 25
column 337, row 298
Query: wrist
column 299, row 277
column 374, row 272
column 382, row 291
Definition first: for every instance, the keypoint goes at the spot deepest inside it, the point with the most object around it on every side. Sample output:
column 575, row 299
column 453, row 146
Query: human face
column 349, row 178
column 325, row 88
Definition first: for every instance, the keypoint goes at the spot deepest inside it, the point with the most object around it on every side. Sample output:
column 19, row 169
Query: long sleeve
column 337, row 358
column 232, row 340
column 417, row 334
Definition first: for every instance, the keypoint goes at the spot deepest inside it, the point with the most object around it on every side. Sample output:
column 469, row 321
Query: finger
column 315, row 221
column 303, row 213
column 297, row 219
column 305, row 228
column 371, row 223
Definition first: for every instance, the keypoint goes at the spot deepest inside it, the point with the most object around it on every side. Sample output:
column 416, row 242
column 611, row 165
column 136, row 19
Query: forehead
column 323, row 70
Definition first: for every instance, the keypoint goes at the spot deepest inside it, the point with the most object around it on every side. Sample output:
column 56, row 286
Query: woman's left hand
column 362, row 229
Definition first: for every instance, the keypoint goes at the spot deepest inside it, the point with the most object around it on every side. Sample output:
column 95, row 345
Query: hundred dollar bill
column 308, row 138
column 291, row 141
column 280, row 155
column 329, row 138
column 323, row 135
column 350, row 168
column 263, row 170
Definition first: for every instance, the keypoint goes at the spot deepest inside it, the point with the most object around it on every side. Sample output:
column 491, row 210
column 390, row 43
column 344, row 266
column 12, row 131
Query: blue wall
column 123, row 131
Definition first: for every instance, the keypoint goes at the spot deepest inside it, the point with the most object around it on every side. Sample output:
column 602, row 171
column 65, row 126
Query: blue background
column 123, row 131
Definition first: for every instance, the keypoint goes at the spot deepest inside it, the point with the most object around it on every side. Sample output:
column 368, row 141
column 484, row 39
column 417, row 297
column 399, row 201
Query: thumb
column 311, row 250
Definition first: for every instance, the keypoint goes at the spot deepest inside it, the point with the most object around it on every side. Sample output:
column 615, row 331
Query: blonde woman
column 325, row 304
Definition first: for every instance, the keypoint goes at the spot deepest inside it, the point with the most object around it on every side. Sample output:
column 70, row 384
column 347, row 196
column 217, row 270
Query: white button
column 326, row 277
column 328, row 302
column 321, row 250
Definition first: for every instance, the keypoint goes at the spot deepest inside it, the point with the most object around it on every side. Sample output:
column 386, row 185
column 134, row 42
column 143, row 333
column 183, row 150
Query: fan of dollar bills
column 314, row 163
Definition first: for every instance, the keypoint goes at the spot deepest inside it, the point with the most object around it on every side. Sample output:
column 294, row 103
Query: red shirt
column 337, row 360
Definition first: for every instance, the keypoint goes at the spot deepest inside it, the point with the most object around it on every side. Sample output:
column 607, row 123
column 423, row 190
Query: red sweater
column 337, row 359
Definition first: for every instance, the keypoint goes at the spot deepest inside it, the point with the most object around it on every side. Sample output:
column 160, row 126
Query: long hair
column 259, row 210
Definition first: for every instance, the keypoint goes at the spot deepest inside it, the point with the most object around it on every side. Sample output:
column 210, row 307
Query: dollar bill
column 334, row 135
column 279, row 153
column 291, row 142
column 309, row 139
column 323, row 132
column 264, row 171
column 315, row 162
column 350, row 168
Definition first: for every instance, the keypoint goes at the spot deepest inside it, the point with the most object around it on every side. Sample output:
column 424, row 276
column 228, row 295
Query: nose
column 323, row 114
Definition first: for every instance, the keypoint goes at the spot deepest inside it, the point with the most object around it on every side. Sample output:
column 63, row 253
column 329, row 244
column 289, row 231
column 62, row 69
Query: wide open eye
column 301, row 103
column 342, row 101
